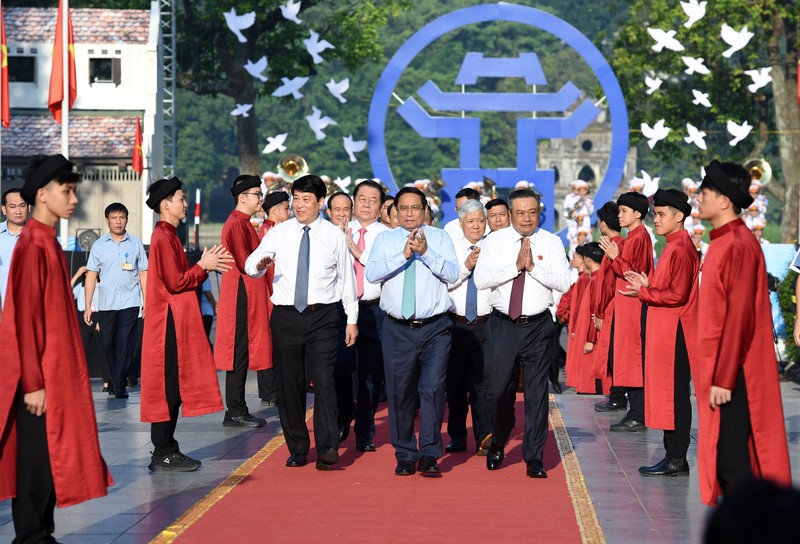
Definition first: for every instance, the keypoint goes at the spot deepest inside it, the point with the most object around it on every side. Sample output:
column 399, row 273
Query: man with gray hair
column 522, row 266
column 469, row 312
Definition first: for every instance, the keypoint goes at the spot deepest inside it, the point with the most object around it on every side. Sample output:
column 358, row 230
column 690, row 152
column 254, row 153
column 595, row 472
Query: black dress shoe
column 365, row 446
column 428, row 466
column 667, row 467
column 405, row 468
column 121, row 394
column 456, row 445
column 328, row 457
column 557, row 388
column 246, row 420
column 495, row 457
column 628, row 425
column 610, row 406
column 296, row 460
column 535, row 469
column 344, row 432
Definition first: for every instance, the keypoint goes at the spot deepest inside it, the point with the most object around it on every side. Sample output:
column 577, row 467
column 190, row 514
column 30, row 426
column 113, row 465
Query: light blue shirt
column 205, row 306
column 437, row 268
column 7, row 242
column 79, row 292
column 118, row 265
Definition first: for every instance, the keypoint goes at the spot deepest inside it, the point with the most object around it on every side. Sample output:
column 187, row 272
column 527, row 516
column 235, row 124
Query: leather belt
column 523, row 319
column 309, row 309
column 416, row 323
column 462, row 319
column 372, row 302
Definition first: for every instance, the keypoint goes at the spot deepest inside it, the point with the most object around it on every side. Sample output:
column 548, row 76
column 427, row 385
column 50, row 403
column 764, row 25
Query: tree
column 211, row 59
column 773, row 110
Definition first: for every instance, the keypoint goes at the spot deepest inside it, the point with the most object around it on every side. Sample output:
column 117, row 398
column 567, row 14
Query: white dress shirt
column 458, row 289
column 453, row 229
column 497, row 268
column 372, row 291
column 330, row 273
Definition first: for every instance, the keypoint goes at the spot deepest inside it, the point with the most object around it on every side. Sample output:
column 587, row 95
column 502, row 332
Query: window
column 22, row 69
column 105, row 71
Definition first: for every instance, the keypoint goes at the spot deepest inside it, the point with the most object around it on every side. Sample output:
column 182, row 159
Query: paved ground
column 630, row 508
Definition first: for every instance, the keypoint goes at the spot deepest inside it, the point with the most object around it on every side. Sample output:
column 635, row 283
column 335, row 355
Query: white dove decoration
column 695, row 66
column 353, row 147
column 664, row 40
column 700, row 99
column 237, row 23
column 338, row 89
column 656, row 133
column 694, row 10
column 291, row 9
column 760, row 77
column 739, row 132
column 342, row 183
column 696, row 137
column 736, row 40
column 242, row 109
column 649, row 185
column 652, row 84
column 315, row 46
column 257, row 68
column 275, row 143
column 291, row 87
column 318, row 123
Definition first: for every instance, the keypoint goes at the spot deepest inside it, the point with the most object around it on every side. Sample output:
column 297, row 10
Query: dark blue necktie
column 471, row 312
column 301, row 283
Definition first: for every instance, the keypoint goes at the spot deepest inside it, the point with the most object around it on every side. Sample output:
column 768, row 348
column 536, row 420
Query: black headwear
column 245, row 182
column 159, row 190
column 39, row 175
column 635, row 201
column 593, row 251
column 719, row 180
column 609, row 213
column 273, row 199
column 675, row 198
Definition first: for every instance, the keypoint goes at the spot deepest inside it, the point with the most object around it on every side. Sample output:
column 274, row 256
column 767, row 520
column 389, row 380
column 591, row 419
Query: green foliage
column 788, row 308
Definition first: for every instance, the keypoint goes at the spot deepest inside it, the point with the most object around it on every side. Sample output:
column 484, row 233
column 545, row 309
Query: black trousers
column 267, row 386
column 208, row 321
column 300, row 340
column 466, row 384
column 676, row 442
column 557, row 355
column 117, row 340
column 529, row 341
column 32, row 508
column 733, row 452
column 616, row 393
column 162, row 434
column 344, row 373
column 90, row 339
column 636, row 394
column 235, row 379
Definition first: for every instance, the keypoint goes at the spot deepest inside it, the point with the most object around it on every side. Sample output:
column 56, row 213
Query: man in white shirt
column 453, row 227
column 15, row 210
column 365, row 356
column 469, row 311
column 522, row 265
column 313, row 271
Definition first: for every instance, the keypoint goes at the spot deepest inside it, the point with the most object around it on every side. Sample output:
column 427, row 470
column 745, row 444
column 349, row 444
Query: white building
column 118, row 63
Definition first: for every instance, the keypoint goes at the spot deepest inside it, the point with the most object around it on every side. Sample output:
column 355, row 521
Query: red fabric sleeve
column 175, row 278
column 680, row 276
column 739, row 276
column 30, row 314
column 562, row 311
column 637, row 256
column 235, row 241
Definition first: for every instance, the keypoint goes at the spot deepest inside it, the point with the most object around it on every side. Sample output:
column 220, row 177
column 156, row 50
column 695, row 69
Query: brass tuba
column 291, row 167
column 759, row 170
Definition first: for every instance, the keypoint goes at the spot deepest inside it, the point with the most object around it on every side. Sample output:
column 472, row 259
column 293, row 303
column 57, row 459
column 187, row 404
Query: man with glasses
column 414, row 266
column 243, row 337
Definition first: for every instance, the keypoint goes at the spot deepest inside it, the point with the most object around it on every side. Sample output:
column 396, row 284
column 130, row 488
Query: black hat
column 273, row 199
column 719, row 180
column 593, row 251
column 609, row 213
column 245, row 182
column 674, row 198
column 635, row 201
column 159, row 190
column 41, row 170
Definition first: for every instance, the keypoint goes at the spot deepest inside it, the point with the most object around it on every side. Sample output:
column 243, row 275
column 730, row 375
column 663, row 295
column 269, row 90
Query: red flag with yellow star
column 56, row 99
column 138, row 159
column 5, row 107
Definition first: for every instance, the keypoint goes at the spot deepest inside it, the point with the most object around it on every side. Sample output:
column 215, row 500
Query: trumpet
column 759, row 170
column 291, row 167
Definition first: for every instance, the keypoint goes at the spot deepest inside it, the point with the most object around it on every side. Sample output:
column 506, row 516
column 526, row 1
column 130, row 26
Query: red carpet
column 364, row 501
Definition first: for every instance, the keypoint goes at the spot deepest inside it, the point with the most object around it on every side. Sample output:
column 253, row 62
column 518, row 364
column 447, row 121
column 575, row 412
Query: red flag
column 5, row 108
column 138, row 159
column 57, row 75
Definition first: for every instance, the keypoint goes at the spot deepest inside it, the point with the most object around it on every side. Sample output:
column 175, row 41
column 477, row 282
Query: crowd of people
column 376, row 297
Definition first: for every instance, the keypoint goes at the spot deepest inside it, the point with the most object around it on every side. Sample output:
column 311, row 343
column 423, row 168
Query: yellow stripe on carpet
column 585, row 514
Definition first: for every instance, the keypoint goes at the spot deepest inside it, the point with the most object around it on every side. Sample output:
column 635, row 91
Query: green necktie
column 409, row 290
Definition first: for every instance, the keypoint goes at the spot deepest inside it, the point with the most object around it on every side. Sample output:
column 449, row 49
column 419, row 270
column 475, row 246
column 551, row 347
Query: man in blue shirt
column 120, row 261
column 15, row 210
column 414, row 266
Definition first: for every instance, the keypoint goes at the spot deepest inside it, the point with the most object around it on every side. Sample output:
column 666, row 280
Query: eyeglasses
column 259, row 195
column 405, row 209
